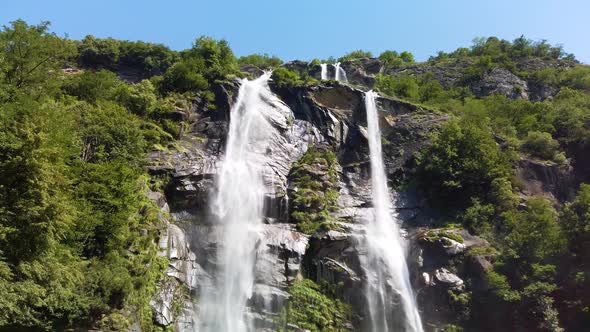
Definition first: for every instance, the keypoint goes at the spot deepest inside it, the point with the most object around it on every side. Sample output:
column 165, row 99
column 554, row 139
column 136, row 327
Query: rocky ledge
column 331, row 115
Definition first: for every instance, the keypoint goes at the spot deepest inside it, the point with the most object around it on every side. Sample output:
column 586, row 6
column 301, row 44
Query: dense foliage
column 145, row 59
column 284, row 78
column 76, row 228
column 262, row 61
column 539, row 274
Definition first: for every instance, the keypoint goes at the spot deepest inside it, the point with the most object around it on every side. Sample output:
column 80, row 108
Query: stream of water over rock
column 340, row 73
column 239, row 205
column 388, row 284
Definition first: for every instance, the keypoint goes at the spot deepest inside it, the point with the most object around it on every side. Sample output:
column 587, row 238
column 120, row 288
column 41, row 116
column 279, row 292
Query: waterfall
column 340, row 73
column 239, row 209
column 388, row 285
column 324, row 71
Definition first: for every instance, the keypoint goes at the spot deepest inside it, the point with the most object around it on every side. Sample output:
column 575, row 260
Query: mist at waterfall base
column 388, row 287
column 239, row 207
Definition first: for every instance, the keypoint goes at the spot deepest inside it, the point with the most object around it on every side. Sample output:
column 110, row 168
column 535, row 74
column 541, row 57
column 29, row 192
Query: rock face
column 443, row 260
column 450, row 72
column 331, row 115
column 546, row 178
column 501, row 81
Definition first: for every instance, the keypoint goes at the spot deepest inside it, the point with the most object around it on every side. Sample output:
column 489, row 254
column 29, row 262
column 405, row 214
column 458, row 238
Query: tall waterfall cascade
column 238, row 206
column 388, row 288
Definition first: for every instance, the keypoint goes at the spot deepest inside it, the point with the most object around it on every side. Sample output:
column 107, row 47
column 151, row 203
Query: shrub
column 262, row 61
column 463, row 161
column 92, row 86
column 184, row 76
column 402, row 87
column 284, row 77
column 99, row 52
column 535, row 234
column 356, row 55
column 541, row 145
column 315, row 196
column 576, row 222
column 406, row 56
column 391, row 58
column 138, row 98
column 310, row 308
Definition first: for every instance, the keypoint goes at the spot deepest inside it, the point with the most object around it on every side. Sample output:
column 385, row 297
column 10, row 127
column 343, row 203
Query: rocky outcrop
column 554, row 181
column 501, row 81
column 450, row 73
column 443, row 260
column 330, row 114
column 172, row 304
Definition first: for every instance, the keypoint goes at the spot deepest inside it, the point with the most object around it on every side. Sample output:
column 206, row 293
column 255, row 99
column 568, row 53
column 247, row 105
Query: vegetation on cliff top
column 468, row 172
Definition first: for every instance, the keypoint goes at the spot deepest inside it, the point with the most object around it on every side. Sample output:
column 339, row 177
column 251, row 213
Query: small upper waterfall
column 239, row 207
column 388, row 284
column 340, row 73
column 324, row 74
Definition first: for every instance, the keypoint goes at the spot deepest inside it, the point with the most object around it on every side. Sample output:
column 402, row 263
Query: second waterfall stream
column 388, row 289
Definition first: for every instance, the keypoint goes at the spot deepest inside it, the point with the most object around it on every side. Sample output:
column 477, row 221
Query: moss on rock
column 313, row 190
column 313, row 308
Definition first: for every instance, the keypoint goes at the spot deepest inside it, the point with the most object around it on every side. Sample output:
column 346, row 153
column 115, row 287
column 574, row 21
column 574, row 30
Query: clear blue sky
column 305, row 29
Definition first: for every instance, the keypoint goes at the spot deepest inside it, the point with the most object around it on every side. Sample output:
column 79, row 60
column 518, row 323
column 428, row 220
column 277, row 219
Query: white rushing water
column 388, row 285
column 239, row 207
column 324, row 74
column 340, row 73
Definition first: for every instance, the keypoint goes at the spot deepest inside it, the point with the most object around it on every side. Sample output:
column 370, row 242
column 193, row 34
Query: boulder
column 501, row 81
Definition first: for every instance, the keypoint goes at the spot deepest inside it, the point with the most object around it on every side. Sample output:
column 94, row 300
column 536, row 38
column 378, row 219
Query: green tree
column 35, row 142
column 109, row 132
column 93, row 86
column 262, row 61
column 535, row 234
column 138, row 98
column 184, row 76
column 150, row 59
column 99, row 53
column 402, row 87
column 284, row 77
column 391, row 58
column 217, row 58
column 356, row 55
column 29, row 55
column 462, row 162
column 406, row 57
column 540, row 145
column 576, row 222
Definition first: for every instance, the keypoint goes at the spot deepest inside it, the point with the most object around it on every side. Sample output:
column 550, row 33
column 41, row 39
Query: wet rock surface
column 331, row 114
